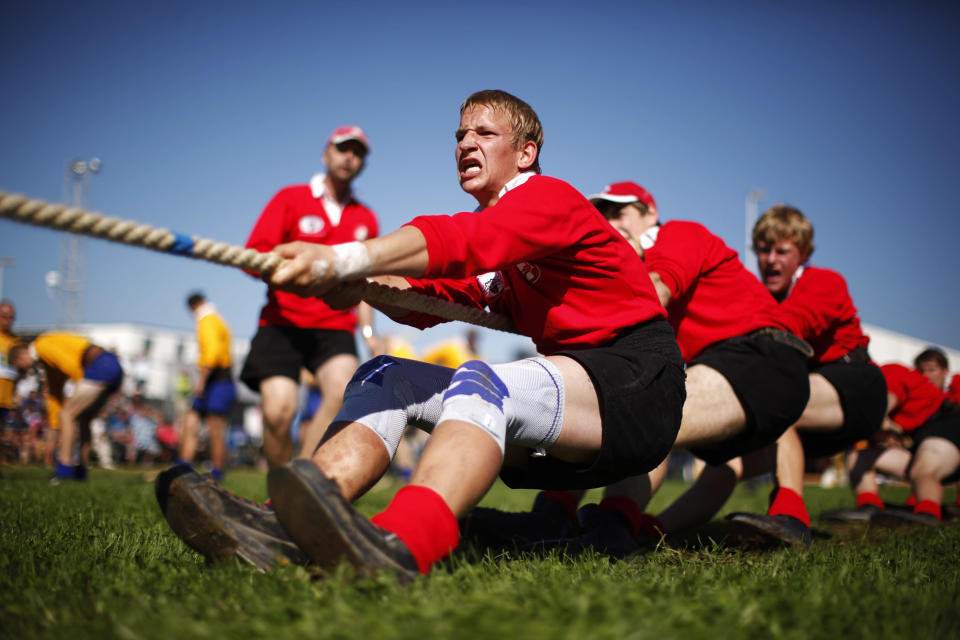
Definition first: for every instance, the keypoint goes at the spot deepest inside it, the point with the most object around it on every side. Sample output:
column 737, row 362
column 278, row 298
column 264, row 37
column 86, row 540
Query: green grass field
column 97, row 560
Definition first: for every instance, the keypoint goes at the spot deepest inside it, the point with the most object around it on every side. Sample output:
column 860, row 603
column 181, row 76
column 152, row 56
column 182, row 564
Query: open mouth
column 469, row 167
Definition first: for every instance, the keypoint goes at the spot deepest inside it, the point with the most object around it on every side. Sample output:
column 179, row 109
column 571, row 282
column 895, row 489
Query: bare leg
column 332, row 378
column 460, row 462
column 936, row 458
column 712, row 412
column 216, row 431
column 790, row 461
column 640, row 488
column 353, row 456
column 279, row 395
column 704, row 498
column 84, row 396
column 863, row 466
column 822, row 413
column 188, row 439
column 823, row 410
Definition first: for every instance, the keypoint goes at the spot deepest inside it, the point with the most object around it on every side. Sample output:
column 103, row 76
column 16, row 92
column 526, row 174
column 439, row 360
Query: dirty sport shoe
column 330, row 531
column 222, row 525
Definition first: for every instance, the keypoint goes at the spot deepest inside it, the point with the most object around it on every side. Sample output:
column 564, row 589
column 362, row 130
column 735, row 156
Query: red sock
column 958, row 498
column 911, row 500
column 869, row 497
column 929, row 506
column 788, row 502
column 634, row 515
column 420, row 517
column 567, row 499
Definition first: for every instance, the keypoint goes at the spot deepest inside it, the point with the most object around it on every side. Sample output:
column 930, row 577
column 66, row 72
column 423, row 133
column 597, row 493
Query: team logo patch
column 530, row 272
column 311, row 225
column 492, row 284
column 361, row 233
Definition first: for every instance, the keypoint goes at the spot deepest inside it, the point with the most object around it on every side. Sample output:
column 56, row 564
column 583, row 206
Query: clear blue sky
column 200, row 111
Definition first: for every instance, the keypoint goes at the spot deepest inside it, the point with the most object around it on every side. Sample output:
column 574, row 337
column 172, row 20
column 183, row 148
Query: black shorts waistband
column 785, row 337
column 856, row 356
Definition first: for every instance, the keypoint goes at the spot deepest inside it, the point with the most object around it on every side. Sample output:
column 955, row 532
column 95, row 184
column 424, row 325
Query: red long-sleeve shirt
column 819, row 309
column 713, row 296
column 953, row 390
column 917, row 397
column 295, row 214
column 559, row 270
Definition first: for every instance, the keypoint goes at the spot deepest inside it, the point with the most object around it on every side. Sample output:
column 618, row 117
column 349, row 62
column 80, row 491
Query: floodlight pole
column 76, row 190
column 5, row 261
column 752, row 212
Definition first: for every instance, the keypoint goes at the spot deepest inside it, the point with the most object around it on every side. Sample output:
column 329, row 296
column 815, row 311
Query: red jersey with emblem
column 295, row 214
column 713, row 296
column 820, row 310
column 544, row 256
column 917, row 397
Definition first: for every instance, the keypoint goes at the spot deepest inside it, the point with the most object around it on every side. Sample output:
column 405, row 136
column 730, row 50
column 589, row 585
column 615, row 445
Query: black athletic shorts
column 863, row 398
column 945, row 423
column 768, row 372
column 283, row 351
column 640, row 385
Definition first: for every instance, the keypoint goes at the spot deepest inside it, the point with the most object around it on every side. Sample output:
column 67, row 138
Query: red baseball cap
column 625, row 193
column 349, row 132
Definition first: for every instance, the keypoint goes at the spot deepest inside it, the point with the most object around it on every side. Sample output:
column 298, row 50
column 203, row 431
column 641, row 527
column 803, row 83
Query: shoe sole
column 312, row 510
column 770, row 531
column 847, row 516
column 893, row 520
column 194, row 517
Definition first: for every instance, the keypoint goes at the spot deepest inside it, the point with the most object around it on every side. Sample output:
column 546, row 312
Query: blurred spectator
column 143, row 425
column 8, row 373
column 169, row 439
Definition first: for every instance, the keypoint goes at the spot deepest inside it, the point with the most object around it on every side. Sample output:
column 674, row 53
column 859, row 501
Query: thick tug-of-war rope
column 79, row 221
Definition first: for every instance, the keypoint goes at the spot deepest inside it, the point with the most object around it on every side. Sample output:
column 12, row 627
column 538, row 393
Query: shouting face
column 486, row 155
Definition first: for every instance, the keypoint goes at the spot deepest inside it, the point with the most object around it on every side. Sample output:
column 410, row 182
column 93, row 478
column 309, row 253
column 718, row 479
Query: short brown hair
column 931, row 354
column 526, row 124
column 783, row 222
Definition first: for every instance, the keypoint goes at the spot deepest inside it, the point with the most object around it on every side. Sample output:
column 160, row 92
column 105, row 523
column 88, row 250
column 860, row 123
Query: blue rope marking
column 182, row 245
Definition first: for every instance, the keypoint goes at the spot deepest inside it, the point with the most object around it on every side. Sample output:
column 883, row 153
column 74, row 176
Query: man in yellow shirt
column 8, row 374
column 214, row 391
column 96, row 374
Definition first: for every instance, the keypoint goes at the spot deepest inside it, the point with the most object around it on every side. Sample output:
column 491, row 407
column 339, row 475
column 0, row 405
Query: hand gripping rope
column 73, row 220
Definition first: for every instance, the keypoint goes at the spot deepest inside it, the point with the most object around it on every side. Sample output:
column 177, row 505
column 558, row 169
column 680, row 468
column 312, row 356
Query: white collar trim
column 204, row 310
column 516, row 181
column 649, row 237
column 318, row 186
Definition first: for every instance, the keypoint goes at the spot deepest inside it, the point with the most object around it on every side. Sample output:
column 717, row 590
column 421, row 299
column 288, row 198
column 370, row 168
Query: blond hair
column 783, row 222
column 526, row 124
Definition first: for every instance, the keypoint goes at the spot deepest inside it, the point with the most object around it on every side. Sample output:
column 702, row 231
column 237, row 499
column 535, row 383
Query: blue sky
column 200, row 111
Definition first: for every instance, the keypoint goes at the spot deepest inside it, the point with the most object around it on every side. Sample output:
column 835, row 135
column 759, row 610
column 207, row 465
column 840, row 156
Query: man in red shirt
column 746, row 374
column 535, row 250
column 932, row 362
column 920, row 410
column 847, row 391
column 294, row 333
column 298, row 332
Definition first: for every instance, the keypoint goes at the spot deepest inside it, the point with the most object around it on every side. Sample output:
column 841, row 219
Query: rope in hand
column 74, row 220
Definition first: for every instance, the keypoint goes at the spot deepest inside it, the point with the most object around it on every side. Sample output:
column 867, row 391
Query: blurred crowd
column 130, row 430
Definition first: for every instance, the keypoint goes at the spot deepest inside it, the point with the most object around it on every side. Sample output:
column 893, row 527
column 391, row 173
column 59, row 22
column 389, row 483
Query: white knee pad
column 518, row 402
column 534, row 408
column 476, row 395
column 386, row 394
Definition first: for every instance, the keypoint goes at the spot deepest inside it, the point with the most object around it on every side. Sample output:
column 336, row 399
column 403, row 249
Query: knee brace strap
column 476, row 395
column 386, row 394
